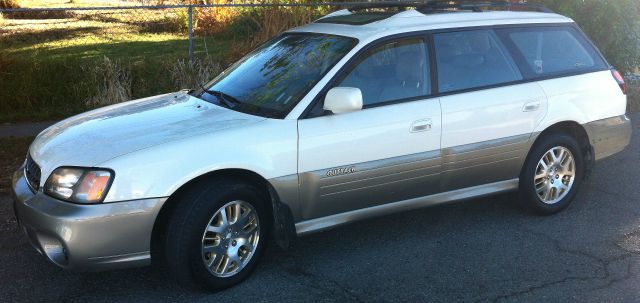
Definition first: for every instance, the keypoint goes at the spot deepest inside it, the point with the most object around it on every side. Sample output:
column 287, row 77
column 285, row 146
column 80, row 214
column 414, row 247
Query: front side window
column 549, row 51
column 271, row 80
column 472, row 59
column 392, row 71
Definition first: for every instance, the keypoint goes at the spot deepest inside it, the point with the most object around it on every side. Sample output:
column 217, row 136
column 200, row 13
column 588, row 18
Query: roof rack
column 479, row 6
column 438, row 6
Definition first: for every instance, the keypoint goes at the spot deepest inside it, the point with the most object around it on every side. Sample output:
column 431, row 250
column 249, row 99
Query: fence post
column 190, row 33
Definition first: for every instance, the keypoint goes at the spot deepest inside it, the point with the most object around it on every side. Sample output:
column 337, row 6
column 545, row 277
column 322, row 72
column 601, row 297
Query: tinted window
column 472, row 59
column 392, row 71
column 549, row 51
column 271, row 80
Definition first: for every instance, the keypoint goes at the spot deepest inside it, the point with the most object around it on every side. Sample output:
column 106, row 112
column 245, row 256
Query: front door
column 388, row 151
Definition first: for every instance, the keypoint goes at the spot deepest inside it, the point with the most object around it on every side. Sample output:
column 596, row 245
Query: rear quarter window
column 549, row 51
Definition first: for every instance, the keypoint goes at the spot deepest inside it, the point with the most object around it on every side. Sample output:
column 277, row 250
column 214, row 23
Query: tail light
column 620, row 80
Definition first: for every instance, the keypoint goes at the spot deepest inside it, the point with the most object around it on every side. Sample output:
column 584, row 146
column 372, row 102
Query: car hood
column 97, row 136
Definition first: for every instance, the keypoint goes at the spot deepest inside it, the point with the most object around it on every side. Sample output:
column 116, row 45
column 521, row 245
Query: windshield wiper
column 228, row 100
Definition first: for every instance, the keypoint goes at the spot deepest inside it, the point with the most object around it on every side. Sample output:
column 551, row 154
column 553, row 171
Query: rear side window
column 392, row 71
column 472, row 59
column 548, row 51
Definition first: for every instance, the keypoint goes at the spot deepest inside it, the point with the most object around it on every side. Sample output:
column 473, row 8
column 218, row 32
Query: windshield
column 271, row 80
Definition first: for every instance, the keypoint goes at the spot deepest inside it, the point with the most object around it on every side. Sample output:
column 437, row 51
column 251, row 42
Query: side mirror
column 343, row 100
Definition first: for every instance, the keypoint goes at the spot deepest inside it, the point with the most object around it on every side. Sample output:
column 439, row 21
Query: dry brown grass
column 192, row 74
column 112, row 82
column 276, row 19
column 271, row 21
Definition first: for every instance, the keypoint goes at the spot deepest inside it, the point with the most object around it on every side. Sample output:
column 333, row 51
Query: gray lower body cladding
column 609, row 136
column 323, row 193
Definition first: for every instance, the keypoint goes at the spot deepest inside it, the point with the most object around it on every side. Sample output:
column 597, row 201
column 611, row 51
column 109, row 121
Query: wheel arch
column 280, row 212
column 575, row 130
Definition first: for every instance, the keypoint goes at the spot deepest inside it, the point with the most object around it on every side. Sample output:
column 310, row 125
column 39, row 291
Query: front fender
column 268, row 148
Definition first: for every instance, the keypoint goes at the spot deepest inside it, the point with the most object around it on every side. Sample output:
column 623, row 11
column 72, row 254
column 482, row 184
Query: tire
column 549, row 191
column 189, row 247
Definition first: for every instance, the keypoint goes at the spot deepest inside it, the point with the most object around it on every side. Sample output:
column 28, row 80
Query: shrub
column 633, row 97
column 40, row 15
column 193, row 73
column 177, row 22
column 213, row 20
column 9, row 4
column 109, row 80
column 273, row 20
column 31, row 14
column 258, row 25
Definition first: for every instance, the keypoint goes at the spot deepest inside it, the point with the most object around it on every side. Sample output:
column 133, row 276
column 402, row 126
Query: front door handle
column 421, row 125
column 531, row 106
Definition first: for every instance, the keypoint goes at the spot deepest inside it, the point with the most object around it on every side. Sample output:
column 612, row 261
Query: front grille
column 32, row 173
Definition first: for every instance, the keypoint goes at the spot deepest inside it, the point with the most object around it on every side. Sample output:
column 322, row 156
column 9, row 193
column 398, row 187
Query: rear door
column 572, row 73
column 488, row 111
column 388, row 151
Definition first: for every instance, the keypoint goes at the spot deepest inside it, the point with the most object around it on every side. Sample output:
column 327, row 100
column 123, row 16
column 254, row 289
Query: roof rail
column 436, row 6
column 479, row 6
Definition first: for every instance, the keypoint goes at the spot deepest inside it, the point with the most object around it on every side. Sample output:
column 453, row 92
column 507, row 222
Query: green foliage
column 614, row 26
column 244, row 25
column 56, row 82
column 182, row 19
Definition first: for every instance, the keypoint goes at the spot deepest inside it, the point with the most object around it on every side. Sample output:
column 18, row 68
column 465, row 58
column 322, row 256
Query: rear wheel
column 552, row 174
column 217, row 234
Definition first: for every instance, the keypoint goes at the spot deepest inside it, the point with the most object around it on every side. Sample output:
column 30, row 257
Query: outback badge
column 341, row 171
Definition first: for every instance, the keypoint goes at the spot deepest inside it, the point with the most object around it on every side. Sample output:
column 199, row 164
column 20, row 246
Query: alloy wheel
column 555, row 174
column 230, row 238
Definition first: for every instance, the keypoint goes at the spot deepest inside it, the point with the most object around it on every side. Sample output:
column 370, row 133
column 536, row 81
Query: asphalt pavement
column 23, row 129
column 483, row 250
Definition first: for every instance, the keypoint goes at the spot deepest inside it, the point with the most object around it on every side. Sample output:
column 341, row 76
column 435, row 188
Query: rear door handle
column 531, row 106
column 421, row 125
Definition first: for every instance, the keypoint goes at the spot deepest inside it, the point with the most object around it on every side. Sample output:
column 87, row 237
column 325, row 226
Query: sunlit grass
column 44, row 57
column 42, row 61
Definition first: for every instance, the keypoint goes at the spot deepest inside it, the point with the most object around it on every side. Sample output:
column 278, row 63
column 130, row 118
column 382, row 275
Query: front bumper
column 86, row 237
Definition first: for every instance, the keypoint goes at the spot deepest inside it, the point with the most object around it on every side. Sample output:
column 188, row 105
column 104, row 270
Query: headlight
column 79, row 185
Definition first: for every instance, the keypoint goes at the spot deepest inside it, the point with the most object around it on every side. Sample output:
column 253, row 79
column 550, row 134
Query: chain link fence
column 137, row 18
column 77, row 55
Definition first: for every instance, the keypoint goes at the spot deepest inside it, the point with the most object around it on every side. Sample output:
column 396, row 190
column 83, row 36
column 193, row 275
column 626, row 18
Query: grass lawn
column 44, row 62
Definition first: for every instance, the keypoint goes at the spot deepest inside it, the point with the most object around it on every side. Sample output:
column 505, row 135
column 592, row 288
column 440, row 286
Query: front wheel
column 552, row 174
column 216, row 235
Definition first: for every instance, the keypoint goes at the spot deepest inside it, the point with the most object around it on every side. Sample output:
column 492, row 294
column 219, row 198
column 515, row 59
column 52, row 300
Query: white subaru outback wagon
column 361, row 113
